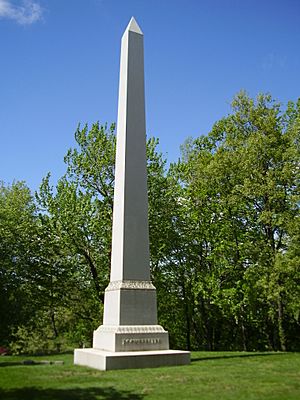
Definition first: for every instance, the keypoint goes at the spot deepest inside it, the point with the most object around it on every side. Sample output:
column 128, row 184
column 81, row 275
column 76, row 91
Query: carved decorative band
column 117, row 285
column 132, row 329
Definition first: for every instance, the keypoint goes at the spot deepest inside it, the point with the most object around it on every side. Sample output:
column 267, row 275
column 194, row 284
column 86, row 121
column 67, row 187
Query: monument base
column 106, row 360
column 131, row 338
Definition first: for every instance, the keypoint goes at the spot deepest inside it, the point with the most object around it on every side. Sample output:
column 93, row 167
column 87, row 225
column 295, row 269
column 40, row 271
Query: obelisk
column 130, row 336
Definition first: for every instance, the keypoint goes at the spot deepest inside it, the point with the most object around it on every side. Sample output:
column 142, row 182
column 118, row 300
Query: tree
column 78, row 213
column 18, row 234
column 243, row 179
column 224, row 238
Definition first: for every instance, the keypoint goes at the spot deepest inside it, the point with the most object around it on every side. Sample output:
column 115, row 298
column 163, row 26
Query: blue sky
column 59, row 65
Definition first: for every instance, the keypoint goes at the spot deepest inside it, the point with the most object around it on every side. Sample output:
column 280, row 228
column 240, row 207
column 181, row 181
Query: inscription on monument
column 141, row 341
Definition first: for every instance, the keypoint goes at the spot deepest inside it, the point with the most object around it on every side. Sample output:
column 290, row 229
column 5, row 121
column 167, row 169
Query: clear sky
column 59, row 65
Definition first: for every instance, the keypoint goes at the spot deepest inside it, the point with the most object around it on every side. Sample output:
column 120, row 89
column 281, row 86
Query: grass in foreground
column 217, row 375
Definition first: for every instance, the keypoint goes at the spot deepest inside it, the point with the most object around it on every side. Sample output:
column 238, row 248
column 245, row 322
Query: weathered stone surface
column 105, row 360
column 130, row 298
column 131, row 338
column 130, row 236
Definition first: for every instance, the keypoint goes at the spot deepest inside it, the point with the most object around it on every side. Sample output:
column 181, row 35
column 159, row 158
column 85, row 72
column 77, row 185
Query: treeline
column 224, row 237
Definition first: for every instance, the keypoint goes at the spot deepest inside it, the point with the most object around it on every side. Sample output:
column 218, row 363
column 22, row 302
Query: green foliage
column 242, row 181
column 78, row 220
column 18, row 237
column 224, row 238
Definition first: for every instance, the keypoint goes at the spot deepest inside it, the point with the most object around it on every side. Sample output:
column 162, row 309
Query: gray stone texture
column 130, row 336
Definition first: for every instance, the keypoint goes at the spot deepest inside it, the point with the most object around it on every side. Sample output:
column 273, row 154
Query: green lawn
column 220, row 375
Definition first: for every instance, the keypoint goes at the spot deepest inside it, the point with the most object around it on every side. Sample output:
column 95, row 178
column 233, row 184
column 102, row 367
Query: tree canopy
column 224, row 238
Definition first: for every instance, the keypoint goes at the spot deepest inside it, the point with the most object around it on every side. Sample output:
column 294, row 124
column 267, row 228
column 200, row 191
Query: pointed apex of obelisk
column 133, row 26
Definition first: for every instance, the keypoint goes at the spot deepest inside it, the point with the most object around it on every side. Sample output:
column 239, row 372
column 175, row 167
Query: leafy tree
column 243, row 179
column 18, row 235
column 224, row 238
column 78, row 215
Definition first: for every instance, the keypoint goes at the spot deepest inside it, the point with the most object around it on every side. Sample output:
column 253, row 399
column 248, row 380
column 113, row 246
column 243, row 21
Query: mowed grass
column 217, row 375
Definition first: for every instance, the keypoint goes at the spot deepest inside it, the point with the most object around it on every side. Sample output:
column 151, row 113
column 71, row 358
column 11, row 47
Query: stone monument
column 130, row 336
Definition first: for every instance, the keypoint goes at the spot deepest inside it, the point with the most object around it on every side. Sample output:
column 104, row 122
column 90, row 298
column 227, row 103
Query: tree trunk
column 94, row 273
column 281, row 332
column 187, row 315
column 244, row 342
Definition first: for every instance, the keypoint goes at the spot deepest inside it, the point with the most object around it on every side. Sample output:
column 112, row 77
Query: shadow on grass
column 33, row 393
column 29, row 363
column 204, row 358
column 10, row 363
